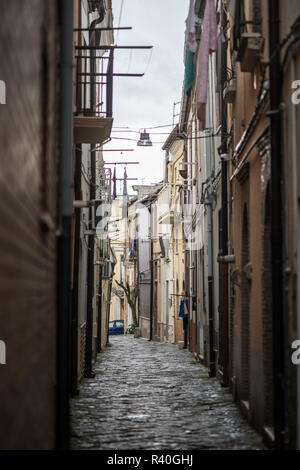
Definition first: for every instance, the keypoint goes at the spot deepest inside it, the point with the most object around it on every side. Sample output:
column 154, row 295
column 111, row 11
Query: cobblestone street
column 149, row 395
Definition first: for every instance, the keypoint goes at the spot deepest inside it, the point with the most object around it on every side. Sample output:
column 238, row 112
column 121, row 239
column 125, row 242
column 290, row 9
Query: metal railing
column 94, row 77
column 94, row 84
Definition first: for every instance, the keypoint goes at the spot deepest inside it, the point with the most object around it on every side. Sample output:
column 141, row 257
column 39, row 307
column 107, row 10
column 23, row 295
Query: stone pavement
column 149, row 395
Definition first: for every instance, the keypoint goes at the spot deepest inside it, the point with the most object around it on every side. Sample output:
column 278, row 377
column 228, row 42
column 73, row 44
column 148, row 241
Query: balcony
column 229, row 91
column 250, row 47
column 94, row 83
column 91, row 130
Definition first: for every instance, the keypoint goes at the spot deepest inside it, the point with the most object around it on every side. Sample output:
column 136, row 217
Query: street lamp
column 144, row 140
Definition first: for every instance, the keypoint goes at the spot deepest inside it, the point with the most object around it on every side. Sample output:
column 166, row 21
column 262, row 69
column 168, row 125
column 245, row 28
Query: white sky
column 141, row 102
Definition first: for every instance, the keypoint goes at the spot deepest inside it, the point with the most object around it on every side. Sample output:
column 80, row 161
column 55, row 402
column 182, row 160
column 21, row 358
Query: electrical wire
column 155, row 127
column 119, row 22
column 148, row 63
column 162, row 142
column 152, row 133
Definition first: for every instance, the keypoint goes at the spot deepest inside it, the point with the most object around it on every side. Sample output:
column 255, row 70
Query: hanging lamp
column 144, row 140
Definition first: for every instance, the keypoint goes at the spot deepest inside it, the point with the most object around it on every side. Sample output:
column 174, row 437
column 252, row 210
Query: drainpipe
column 108, row 308
column 277, row 226
column 63, row 368
column 210, row 277
column 88, row 371
column 75, row 288
column 99, row 331
column 296, row 222
column 151, row 273
column 210, row 252
column 75, row 274
column 223, row 307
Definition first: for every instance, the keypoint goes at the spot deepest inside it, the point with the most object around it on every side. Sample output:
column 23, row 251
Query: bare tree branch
column 131, row 295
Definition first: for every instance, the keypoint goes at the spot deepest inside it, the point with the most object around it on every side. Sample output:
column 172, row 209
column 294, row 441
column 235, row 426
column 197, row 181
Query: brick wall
column 28, row 178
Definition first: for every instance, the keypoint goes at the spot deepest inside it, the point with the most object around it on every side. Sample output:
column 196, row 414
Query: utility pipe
column 63, row 369
column 276, row 225
column 210, row 165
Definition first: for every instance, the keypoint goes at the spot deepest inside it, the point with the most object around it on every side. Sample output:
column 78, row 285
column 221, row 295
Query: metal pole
column 75, row 286
column 99, row 330
column 109, row 87
column 151, row 273
column 102, row 29
column 104, row 74
column 223, row 308
column 74, row 340
column 210, row 277
column 94, row 48
column 88, row 372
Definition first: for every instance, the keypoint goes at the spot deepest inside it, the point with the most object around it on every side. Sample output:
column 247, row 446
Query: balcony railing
column 94, row 84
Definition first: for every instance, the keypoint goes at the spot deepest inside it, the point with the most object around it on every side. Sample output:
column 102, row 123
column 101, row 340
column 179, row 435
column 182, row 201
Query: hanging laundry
column 190, row 49
column 184, row 308
column 132, row 248
column 190, row 35
column 220, row 52
column 189, row 73
column 208, row 44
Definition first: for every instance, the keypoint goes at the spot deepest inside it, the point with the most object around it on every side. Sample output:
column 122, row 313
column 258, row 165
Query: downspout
column 296, row 221
column 107, row 315
column 151, row 273
column 88, row 371
column 210, row 269
column 63, row 367
column 75, row 274
column 112, row 265
column 277, row 226
column 223, row 313
column 74, row 314
column 99, row 330
column 136, row 276
column 108, row 308
column 210, row 277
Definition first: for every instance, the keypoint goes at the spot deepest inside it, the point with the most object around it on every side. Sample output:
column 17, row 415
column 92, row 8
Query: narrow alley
column 152, row 396
column 150, row 226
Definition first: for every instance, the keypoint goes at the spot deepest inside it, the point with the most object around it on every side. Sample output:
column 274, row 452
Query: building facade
column 31, row 212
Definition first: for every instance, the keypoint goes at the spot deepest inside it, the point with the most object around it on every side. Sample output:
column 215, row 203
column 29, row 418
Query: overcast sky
column 147, row 101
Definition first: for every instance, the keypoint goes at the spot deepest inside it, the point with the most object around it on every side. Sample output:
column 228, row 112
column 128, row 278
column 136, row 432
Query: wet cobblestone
column 149, row 395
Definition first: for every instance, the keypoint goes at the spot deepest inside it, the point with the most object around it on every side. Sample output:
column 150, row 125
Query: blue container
column 116, row 327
